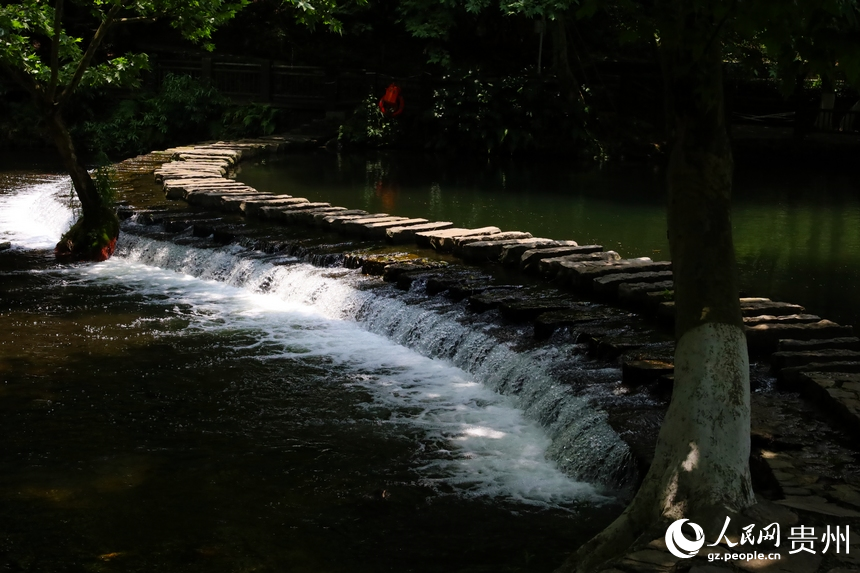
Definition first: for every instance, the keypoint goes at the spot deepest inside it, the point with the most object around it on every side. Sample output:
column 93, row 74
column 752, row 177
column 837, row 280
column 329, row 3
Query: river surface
column 185, row 407
column 796, row 226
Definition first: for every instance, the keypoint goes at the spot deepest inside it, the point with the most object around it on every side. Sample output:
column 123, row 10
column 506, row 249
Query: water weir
column 798, row 343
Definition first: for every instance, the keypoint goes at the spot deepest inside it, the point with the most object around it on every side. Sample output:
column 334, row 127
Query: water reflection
column 797, row 228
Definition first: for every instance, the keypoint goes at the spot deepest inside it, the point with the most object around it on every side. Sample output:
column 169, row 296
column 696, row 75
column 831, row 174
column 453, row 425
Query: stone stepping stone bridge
column 807, row 353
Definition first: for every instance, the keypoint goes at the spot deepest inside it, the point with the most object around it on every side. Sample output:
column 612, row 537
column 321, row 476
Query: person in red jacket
column 391, row 104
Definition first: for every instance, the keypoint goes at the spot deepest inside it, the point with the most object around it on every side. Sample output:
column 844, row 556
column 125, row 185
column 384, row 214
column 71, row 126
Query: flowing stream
column 189, row 407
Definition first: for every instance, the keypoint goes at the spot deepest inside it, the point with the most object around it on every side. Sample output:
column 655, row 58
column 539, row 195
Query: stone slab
column 503, row 236
column 639, row 294
column 844, row 343
column 326, row 219
column 486, row 250
column 551, row 267
column 511, row 255
column 444, row 237
column 233, row 203
column 758, row 307
column 308, row 216
column 336, row 221
column 780, row 319
column 406, row 234
column 787, row 358
column 379, row 229
column 213, row 199
column 253, row 207
column 559, row 267
column 530, row 258
column 609, row 284
column 582, row 275
column 765, row 337
column 274, row 212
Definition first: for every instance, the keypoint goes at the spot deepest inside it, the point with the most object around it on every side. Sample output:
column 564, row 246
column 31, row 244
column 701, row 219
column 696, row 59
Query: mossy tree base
column 90, row 238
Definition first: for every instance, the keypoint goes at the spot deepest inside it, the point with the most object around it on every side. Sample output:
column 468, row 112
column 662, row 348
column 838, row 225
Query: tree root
column 90, row 238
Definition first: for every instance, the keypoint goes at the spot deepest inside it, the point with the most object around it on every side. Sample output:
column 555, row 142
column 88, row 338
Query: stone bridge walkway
column 808, row 354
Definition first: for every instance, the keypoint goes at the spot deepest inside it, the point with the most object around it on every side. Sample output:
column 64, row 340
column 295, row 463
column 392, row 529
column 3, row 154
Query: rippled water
column 184, row 408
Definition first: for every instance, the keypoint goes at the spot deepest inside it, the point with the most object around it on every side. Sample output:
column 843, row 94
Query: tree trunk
column 561, row 62
column 701, row 464
column 94, row 236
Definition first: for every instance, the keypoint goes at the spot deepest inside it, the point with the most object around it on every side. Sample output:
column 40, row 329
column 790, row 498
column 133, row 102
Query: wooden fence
column 283, row 85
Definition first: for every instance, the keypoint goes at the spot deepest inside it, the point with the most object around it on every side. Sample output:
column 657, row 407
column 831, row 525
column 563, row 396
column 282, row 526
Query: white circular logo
column 678, row 544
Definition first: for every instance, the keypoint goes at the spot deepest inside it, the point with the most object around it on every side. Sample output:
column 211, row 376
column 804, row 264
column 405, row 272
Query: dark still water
column 188, row 408
column 797, row 228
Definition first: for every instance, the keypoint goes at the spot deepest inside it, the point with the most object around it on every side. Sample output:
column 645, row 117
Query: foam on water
column 580, row 441
column 483, row 445
column 37, row 215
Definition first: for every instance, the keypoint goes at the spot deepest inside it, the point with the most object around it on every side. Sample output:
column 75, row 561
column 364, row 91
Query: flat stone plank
column 582, row 274
column 252, row 207
column 188, row 183
column 504, row 236
column 274, row 212
column 758, row 307
column 530, row 259
column 357, row 225
column 783, row 319
column 447, row 243
column 322, row 219
column 379, row 229
column 845, row 343
column 426, row 238
column 786, row 359
column 637, row 293
column 555, row 267
column 176, row 193
column 232, row 203
column 839, row 372
column 512, row 254
column 342, row 219
column 609, row 284
column 765, row 337
column 488, row 250
column 406, row 234
column 307, row 217
column 213, row 200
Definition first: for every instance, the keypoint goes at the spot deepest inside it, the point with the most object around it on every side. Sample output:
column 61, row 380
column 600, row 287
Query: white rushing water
column 507, row 429
column 37, row 216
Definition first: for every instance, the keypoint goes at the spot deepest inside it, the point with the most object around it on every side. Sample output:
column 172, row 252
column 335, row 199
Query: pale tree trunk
column 701, row 464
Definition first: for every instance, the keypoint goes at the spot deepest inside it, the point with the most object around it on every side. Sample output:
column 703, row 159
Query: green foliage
column 182, row 110
column 507, row 115
column 517, row 113
column 325, row 12
column 250, row 120
column 367, row 127
column 104, row 177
